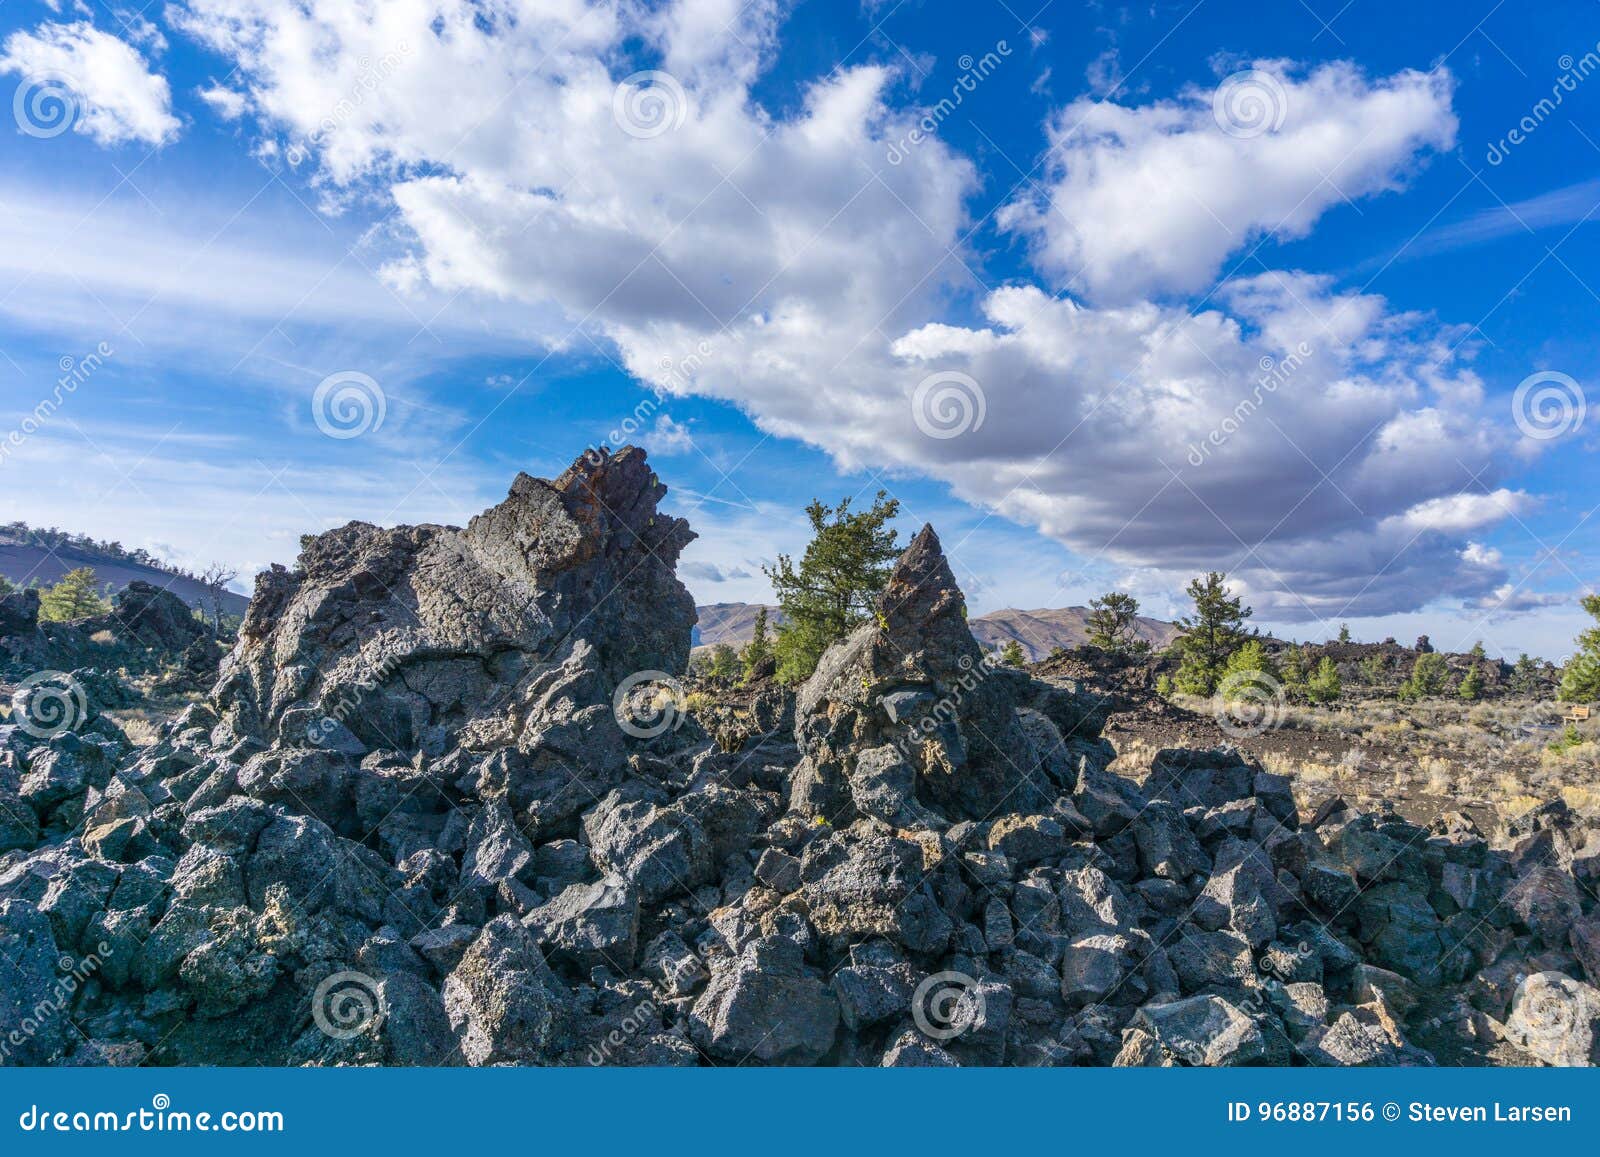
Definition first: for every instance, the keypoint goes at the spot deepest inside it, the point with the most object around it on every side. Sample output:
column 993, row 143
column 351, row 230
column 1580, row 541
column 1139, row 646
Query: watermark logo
column 1548, row 405
column 1249, row 104
column 348, row 404
column 946, row 1005
column 1274, row 373
column 649, row 104
column 347, row 1004
column 1249, row 703
column 973, row 73
column 648, row 704
column 74, row 373
column 1573, row 74
column 369, row 79
column 948, row 404
column 45, row 105
column 48, row 704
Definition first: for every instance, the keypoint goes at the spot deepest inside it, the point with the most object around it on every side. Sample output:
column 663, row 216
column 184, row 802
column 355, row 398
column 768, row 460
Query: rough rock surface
column 418, row 822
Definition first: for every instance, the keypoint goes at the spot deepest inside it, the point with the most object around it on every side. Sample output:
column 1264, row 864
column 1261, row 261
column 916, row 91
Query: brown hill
column 1039, row 632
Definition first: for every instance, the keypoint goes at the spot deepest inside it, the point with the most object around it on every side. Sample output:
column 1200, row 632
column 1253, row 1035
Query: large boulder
column 404, row 635
column 766, row 1007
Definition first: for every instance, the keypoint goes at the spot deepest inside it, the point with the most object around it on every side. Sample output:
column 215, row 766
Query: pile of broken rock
column 419, row 822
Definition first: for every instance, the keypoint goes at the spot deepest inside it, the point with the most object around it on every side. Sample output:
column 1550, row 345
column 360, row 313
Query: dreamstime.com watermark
column 367, row 682
column 1274, row 373
column 348, row 404
column 1548, row 405
column 49, row 703
column 1249, row 703
column 647, row 1013
column 74, row 373
column 1573, row 74
column 973, row 74
column 370, row 79
column 45, row 105
column 675, row 374
column 948, row 404
column 75, row 974
column 648, row 704
column 1250, row 104
column 649, row 104
column 947, row 1005
column 945, row 711
column 160, row 1117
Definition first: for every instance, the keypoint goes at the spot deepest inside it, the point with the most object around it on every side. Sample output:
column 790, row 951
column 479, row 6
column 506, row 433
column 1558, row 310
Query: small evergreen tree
column 1251, row 661
column 76, row 596
column 1212, row 634
column 1344, row 632
column 1295, row 668
column 1112, row 618
column 1477, row 651
column 1012, row 654
column 759, row 646
column 1471, row 686
column 6, row 586
column 1580, row 679
column 835, row 586
column 1522, row 674
column 1374, row 670
column 724, row 666
column 1428, row 677
column 1324, row 685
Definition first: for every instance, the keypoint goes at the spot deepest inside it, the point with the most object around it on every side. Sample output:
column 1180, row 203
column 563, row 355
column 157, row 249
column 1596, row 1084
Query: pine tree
column 1212, row 634
column 759, row 646
column 836, row 585
column 1012, row 654
column 1325, row 686
column 1344, row 632
column 1580, row 679
column 6, row 586
column 1471, row 686
column 1295, row 668
column 1522, row 674
column 1112, row 618
column 76, row 596
column 724, row 667
column 1428, row 677
column 1251, row 662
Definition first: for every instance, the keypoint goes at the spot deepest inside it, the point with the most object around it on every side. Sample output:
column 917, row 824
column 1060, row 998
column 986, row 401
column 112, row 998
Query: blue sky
column 1110, row 295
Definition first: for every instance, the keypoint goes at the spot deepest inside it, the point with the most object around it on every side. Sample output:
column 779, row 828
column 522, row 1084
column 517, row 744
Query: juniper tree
column 1112, row 618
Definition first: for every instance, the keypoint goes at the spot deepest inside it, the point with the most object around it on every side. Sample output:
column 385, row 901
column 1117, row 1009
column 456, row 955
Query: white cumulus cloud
column 114, row 97
column 1328, row 450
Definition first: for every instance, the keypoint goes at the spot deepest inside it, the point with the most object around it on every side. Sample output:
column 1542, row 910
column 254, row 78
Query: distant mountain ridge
column 1038, row 631
column 22, row 562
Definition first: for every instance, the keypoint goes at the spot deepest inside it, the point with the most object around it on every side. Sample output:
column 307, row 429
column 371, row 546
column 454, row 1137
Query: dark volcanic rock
column 425, row 775
column 908, row 714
